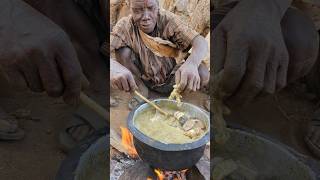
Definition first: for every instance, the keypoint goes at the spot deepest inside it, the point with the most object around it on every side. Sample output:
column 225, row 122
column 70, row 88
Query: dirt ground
column 37, row 156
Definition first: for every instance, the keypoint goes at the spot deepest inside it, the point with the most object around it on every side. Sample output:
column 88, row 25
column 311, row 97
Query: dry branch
column 115, row 141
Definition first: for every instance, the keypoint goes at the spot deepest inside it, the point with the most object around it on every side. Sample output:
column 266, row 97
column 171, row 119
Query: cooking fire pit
column 142, row 171
column 169, row 157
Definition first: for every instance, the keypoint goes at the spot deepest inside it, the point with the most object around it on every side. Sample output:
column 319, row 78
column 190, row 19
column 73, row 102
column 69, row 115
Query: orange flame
column 127, row 142
column 159, row 174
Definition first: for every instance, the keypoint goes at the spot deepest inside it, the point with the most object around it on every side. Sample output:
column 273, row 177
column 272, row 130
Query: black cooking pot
column 169, row 156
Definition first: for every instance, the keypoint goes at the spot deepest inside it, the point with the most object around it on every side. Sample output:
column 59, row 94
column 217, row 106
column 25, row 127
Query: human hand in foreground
column 249, row 47
column 36, row 53
column 121, row 78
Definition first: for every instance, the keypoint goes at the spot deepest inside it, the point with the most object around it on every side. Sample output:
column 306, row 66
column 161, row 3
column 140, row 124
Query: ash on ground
column 118, row 163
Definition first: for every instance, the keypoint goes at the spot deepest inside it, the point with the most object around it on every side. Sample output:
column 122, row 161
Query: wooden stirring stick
column 94, row 106
column 180, row 116
column 151, row 103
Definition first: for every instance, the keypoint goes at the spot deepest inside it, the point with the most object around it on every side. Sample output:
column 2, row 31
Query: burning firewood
column 123, row 143
column 115, row 142
column 127, row 142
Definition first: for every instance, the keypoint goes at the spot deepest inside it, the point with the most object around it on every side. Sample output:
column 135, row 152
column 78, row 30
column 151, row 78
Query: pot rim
column 167, row 147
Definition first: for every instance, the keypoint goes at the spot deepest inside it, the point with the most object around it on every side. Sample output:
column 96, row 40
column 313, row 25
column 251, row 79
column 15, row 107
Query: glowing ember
column 127, row 142
column 159, row 174
column 170, row 175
